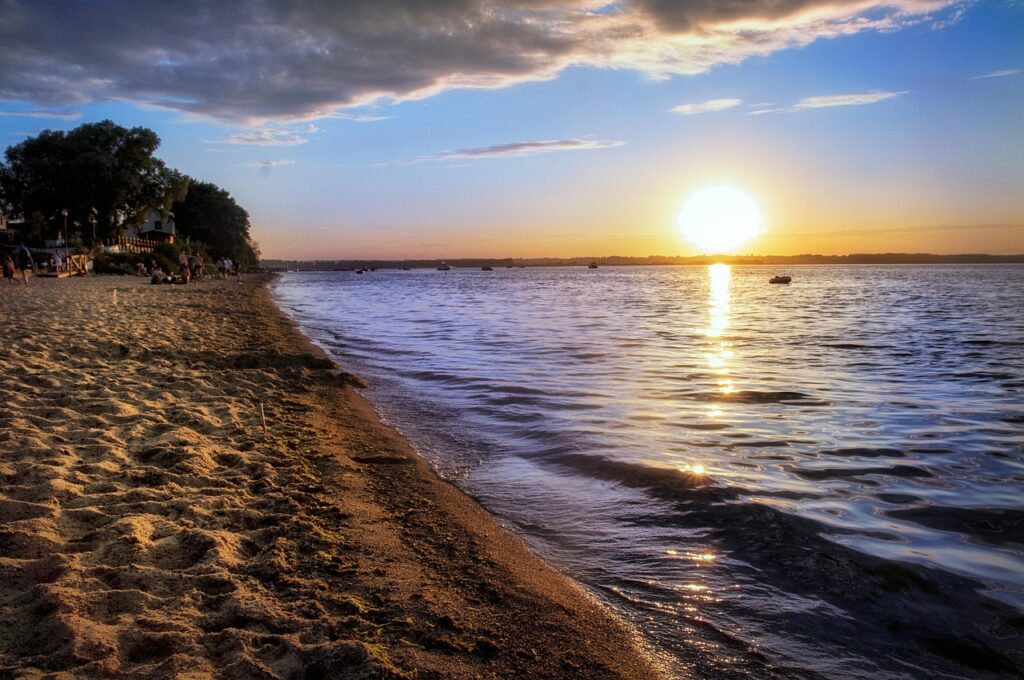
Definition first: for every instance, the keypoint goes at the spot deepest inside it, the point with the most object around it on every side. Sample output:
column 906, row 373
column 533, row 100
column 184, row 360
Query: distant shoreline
column 652, row 260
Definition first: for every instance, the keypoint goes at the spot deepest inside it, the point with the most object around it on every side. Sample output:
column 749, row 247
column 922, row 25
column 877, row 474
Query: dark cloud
column 260, row 60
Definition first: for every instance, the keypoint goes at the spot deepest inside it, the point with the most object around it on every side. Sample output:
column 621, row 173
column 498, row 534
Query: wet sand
column 156, row 521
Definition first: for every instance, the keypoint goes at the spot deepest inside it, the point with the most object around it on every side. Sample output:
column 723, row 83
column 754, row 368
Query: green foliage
column 209, row 215
column 105, row 173
column 127, row 263
column 113, row 263
column 96, row 165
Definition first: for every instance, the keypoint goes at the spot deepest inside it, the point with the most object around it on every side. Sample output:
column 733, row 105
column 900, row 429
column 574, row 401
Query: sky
column 561, row 128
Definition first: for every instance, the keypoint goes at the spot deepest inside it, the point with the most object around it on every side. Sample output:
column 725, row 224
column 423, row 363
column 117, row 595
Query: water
column 824, row 479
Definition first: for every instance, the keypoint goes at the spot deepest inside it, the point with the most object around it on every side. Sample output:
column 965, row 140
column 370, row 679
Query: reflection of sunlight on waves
column 719, row 354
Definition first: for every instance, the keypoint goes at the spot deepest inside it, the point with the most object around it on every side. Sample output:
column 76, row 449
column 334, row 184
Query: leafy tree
column 98, row 171
column 210, row 215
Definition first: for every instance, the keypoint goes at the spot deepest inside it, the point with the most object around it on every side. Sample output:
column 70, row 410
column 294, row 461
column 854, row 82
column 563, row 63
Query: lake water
column 819, row 480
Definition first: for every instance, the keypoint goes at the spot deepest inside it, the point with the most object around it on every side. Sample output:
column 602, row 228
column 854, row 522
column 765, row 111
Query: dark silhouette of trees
column 106, row 174
column 210, row 215
column 98, row 172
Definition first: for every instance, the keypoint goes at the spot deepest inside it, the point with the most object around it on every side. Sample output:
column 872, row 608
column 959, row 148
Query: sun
column 719, row 219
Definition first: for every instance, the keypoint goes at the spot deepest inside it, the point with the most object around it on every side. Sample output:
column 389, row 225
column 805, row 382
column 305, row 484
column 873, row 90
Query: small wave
column 993, row 526
column 760, row 397
column 860, row 452
column 905, row 471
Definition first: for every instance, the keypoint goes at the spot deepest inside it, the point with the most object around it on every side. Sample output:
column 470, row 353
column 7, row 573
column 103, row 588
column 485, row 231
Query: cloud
column 40, row 113
column 705, row 107
column 358, row 118
column 270, row 135
column 252, row 61
column 855, row 99
column 998, row 74
column 269, row 164
column 529, row 148
column 508, row 150
column 826, row 101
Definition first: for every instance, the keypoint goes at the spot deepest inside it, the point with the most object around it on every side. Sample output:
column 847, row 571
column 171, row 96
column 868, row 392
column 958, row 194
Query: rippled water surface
column 824, row 479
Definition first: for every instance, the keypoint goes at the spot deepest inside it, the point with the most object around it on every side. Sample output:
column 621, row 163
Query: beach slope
column 189, row 489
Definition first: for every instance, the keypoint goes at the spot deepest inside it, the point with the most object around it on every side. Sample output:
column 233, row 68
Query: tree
column 208, row 214
column 100, row 166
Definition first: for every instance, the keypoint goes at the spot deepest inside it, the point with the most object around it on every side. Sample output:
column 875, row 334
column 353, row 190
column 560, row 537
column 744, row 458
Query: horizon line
column 647, row 257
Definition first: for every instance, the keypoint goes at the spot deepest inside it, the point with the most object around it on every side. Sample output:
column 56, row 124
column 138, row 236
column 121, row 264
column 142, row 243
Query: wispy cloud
column 508, row 150
column 529, row 148
column 43, row 113
column 358, row 117
column 270, row 135
column 269, row 164
column 998, row 74
column 827, row 101
column 249, row 61
column 706, row 106
column 854, row 99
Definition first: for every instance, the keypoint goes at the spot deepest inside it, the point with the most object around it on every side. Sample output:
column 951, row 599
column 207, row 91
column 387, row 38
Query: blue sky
column 879, row 133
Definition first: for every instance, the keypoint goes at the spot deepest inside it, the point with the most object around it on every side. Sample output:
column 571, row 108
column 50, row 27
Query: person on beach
column 9, row 269
column 24, row 261
column 197, row 269
column 183, row 263
column 58, row 262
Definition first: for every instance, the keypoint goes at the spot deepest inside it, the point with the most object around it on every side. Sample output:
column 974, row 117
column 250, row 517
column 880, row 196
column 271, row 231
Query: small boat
column 487, row 269
column 445, row 267
column 780, row 279
column 592, row 265
column 360, row 271
column 406, row 269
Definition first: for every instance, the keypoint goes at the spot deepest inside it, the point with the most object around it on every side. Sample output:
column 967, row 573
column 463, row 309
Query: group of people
column 225, row 266
column 190, row 269
column 21, row 260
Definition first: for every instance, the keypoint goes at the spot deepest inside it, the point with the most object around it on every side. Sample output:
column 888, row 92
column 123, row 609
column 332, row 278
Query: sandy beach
column 191, row 490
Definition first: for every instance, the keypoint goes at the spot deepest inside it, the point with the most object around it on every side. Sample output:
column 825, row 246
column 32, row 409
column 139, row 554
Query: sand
column 151, row 527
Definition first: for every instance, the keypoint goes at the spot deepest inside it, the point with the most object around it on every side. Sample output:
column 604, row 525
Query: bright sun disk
column 719, row 219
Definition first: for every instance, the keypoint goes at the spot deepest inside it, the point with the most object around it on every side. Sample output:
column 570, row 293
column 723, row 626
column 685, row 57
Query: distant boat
column 592, row 265
column 360, row 271
column 487, row 269
column 780, row 279
column 445, row 267
column 406, row 269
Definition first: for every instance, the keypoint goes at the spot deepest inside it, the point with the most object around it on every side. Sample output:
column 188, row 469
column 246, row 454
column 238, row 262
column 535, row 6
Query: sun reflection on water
column 719, row 355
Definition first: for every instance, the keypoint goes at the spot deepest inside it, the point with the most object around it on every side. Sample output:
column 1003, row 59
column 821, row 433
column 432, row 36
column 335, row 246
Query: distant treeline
column 615, row 260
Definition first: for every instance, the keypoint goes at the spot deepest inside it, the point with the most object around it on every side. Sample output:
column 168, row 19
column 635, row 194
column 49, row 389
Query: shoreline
column 152, row 528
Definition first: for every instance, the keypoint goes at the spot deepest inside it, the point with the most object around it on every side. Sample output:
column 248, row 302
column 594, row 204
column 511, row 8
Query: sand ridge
column 150, row 527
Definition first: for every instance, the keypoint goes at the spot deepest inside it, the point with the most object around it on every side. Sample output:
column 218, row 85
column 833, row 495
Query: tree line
column 101, row 178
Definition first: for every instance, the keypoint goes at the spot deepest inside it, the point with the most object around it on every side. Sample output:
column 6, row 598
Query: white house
column 155, row 228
